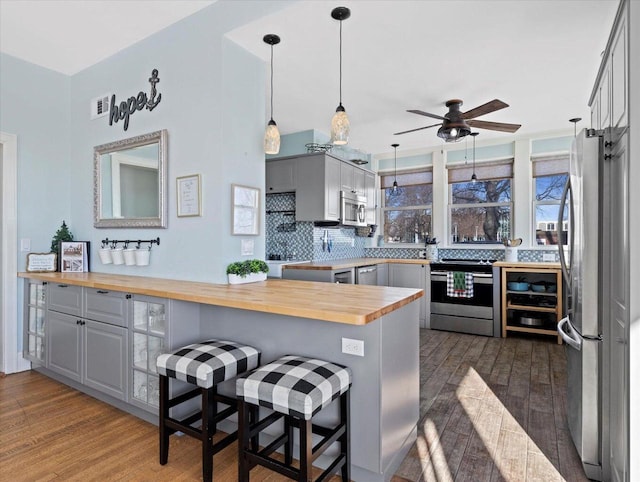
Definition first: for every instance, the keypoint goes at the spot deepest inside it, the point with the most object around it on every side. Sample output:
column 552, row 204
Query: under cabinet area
column 531, row 300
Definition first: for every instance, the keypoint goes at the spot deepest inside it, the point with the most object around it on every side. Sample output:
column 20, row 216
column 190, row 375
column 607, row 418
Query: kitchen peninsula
column 279, row 317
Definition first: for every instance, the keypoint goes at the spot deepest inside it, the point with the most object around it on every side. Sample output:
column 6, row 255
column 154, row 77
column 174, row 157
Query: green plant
column 243, row 268
column 62, row 234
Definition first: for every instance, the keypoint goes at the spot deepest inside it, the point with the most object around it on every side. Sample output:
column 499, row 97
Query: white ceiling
column 539, row 56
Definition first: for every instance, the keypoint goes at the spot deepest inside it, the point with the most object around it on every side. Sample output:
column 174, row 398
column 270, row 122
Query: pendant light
column 474, row 178
column 271, row 133
column 395, row 190
column 575, row 121
column 340, row 122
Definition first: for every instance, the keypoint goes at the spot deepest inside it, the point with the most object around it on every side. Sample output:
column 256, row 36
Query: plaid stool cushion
column 294, row 385
column 208, row 363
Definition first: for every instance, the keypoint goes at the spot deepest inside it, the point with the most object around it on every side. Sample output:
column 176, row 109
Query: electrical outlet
column 548, row 257
column 353, row 347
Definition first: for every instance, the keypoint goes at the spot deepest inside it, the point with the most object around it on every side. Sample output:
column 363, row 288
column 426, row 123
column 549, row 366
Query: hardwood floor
column 492, row 409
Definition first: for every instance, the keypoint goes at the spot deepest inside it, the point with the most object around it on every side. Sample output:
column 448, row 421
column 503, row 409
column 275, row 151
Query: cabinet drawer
column 107, row 306
column 65, row 298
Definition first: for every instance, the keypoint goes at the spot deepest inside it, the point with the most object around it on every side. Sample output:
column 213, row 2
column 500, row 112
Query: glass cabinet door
column 35, row 310
column 149, row 321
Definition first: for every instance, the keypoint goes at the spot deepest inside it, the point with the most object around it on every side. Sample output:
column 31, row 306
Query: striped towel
column 459, row 284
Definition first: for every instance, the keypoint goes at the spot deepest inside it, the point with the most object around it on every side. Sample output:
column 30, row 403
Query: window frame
column 428, row 170
column 480, row 168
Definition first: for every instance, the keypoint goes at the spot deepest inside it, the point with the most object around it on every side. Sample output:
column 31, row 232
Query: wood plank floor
column 491, row 409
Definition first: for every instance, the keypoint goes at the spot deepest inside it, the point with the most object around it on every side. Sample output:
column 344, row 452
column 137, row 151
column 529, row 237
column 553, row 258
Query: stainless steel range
column 474, row 308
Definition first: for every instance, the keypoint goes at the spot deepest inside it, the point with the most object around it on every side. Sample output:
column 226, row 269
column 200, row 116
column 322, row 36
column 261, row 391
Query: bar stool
column 295, row 388
column 205, row 365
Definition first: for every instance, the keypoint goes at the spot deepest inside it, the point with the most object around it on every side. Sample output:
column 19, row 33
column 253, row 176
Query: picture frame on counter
column 74, row 256
column 42, row 262
column 245, row 206
column 189, row 198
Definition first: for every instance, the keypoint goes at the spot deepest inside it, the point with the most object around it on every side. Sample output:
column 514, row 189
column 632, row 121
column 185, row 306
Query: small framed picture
column 189, row 198
column 41, row 262
column 245, row 215
column 74, row 256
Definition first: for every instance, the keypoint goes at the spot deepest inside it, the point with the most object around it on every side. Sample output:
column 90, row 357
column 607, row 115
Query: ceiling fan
column 455, row 124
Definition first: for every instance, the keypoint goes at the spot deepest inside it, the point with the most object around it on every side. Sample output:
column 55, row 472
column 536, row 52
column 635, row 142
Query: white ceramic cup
column 117, row 255
column 130, row 256
column 511, row 254
column 105, row 255
column 142, row 257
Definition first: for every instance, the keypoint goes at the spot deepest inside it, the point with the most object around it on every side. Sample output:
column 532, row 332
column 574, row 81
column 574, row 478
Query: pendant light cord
column 340, row 62
column 271, row 81
column 474, row 155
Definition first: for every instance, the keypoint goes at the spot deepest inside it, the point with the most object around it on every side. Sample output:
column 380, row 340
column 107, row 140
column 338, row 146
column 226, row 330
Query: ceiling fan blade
column 418, row 129
column 421, row 112
column 494, row 126
column 483, row 109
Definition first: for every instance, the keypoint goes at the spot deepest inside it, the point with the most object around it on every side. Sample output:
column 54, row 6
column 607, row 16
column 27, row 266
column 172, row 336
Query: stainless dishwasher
column 367, row 275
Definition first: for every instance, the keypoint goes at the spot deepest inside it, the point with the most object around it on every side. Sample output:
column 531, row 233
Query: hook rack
column 114, row 242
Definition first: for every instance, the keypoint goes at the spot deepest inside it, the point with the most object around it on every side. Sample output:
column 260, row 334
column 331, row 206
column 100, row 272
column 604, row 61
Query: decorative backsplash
column 302, row 240
column 526, row 255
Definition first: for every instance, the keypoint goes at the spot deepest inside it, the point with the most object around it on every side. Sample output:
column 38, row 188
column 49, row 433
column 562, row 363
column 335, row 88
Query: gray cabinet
column 280, row 175
column 383, row 274
column 64, row 345
column 372, row 196
column 403, row 275
column 318, row 190
column 352, row 179
column 35, row 304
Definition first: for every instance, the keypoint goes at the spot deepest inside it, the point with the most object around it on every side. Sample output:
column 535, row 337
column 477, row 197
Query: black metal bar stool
column 295, row 388
column 204, row 364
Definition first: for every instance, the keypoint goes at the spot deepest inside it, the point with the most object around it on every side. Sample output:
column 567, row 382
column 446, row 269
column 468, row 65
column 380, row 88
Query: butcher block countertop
column 341, row 303
column 523, row 264
column 350, row 263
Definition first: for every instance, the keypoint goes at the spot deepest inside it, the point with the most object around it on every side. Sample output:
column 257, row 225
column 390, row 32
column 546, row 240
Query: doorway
column 10, row 359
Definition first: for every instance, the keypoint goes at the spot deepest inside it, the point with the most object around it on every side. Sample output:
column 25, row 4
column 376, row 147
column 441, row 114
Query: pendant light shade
column 340, row 126
column 474, row 178
column 271, row 133
column 395, row 190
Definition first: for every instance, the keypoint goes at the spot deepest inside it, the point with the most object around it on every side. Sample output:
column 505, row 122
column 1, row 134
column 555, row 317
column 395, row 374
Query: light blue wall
column 34, row 105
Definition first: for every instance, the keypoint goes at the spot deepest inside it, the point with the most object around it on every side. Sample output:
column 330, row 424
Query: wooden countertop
column 351, row 263
column 526, row 264
column 342, row 303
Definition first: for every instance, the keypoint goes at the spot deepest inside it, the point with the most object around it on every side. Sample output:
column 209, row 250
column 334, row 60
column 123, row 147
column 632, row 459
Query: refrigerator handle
column 568, row 334
column 563, row 261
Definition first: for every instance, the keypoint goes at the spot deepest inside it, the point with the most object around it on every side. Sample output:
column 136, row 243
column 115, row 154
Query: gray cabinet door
column 105, row 305
column 105, row 360
column 65, row 298
column 371, row 194
column 383, row 274
column 347, row 177
column 64, row 345
column 280, row 176
column 332, row 188
column 410, row 276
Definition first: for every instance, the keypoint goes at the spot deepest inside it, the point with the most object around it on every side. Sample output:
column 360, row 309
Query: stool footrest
column 323, row 444
column 329, row 472
column 273, row 446
column 272, row 464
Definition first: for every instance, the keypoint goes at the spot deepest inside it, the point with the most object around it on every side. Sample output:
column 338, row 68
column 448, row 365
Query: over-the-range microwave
column 352, row 209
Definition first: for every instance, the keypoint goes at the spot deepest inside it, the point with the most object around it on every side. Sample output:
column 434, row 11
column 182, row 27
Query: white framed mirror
column 130, row 182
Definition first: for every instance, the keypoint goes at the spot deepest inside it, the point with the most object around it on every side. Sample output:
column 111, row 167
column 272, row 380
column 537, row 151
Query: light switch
column 246, row 247
column 25, row 244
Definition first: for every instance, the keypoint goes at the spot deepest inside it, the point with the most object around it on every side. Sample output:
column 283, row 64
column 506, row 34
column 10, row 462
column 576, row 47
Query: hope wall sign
column 134, row 103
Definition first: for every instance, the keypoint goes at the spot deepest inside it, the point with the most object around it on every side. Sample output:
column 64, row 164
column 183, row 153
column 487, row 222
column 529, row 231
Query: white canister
column 511, row 254
column 117, row 256
column 142, row 257
column 432, row 251
column 105, row 255
column 129, row 256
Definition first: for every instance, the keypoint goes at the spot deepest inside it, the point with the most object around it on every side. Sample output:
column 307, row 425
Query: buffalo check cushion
column 209, row 362
column 294, row 385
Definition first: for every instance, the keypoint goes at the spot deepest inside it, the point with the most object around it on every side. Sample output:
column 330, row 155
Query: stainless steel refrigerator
column 582, row 328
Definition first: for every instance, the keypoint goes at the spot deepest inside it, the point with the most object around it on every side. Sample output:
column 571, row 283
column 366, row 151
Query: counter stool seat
column 295, row 388
column 205, row 364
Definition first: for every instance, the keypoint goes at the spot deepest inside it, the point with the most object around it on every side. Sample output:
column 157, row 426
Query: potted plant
column 247, row 271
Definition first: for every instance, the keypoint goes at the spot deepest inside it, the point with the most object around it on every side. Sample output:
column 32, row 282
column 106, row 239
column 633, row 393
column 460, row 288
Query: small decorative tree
column 62, row 234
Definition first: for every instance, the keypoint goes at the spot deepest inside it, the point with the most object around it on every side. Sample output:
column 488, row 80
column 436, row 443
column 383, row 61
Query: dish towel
column 459, row 284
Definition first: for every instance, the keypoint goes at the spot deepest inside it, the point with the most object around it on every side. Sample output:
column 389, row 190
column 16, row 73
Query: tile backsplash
column 526, row 255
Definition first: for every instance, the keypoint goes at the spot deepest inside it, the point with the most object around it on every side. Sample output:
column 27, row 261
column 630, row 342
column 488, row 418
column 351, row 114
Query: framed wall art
column 189, row 197
column 245, row 210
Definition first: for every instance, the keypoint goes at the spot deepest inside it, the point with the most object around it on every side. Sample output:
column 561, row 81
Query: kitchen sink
column 275, row 266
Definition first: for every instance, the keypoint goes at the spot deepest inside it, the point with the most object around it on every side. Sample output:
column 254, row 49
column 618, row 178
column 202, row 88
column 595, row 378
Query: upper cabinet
column 281, row 176
column 372, row 198
column 352, row 179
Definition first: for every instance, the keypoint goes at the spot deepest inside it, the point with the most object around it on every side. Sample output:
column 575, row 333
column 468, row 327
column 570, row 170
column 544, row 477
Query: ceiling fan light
column 340, row 127
column 453, row 134
column 271, row 138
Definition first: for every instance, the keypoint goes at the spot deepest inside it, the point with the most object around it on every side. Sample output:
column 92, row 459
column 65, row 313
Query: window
column 549, row 177
column 406, row 216
column 480, row 212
